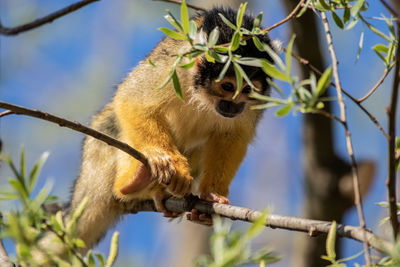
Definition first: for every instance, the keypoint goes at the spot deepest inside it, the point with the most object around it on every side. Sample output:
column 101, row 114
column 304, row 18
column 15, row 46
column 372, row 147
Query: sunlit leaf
column 177, row 85
column 273, row 71
column 113, row 250
column 240, row 14
column 258, row 20
column 283, row 111
column 173, row 21
column 357, row 7
column 224, row 70
column 289, row 55
column 213, row 38
column 360, row 45
column 331, row 242
column 185, row 17
column 34, row 174
column 235, row 41
column 227, row 22
column 324, row 81
column 173, row 34
column 338, row 21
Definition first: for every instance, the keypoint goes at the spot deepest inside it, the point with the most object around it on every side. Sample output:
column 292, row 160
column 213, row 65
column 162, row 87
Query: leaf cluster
column 28, row 226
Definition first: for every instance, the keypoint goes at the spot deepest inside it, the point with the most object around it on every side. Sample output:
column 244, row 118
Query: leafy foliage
column 233, row 248
column 31, row 224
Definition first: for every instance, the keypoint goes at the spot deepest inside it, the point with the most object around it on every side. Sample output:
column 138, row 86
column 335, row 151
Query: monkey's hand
column 205, row 219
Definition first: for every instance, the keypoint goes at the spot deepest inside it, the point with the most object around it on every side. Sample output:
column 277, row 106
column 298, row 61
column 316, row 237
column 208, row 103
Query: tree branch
column 289, row 17
column 391, row 183
column 312, row 227
column 76, row 126
column 46, row 19
column 373, row 89
column 356, row 182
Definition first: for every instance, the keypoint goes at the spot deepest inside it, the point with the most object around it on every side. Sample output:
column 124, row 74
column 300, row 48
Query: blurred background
column 71, row 68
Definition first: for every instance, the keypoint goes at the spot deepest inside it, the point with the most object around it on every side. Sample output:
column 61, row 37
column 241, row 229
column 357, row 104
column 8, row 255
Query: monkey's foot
column 214, row 197
column 200, row 218
column 158, row 199
column 206, row 219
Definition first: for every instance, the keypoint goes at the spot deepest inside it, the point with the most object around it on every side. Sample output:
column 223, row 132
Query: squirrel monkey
column 201, row 140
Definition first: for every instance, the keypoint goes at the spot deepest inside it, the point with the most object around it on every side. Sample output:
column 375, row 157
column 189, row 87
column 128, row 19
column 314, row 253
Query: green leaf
column 213, row 37
column 273, row 71
column 331, row 241
column 188, row 65
column 240, row 14
column 166, row 80
column 101, row 259
column 258, row 44
column 209, row 58
column 173, row 21
column 283, row 111
column 375, row 30
column 258, row 20
column 304, row 9
column 337, row 20
column 264, row 106
column 239, row 79
column 289, row 55
column 173, row 34
column 324, row 4
column 185, row 17
column 324, row 81
column 177, row 85
column 356, row 7
column 397, row 142
column 218, row 57
column 76, row 215
column 346, row 15
column 113, row 250
column 34, row 174
column 22, row 163
column 275, row 57
column 360, row 45
column 268, row 98
column 235, row 41
column 227, row 22
column 271, row 83
column 224, row 70
column 351, row 24
column 152, row 64
column 192, row 30
column 10, row 163
column 249, row 61
column 19, row 189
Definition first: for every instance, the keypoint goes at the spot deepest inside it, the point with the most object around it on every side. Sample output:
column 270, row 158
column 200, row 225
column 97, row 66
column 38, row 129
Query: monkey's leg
column 223, row 155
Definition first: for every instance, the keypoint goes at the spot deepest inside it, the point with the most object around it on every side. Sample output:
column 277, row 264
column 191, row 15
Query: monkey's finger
column 196, row 217
column 214, row 197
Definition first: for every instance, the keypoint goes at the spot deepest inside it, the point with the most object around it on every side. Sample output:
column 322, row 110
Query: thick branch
column 46, row 19
column 391, row 183
column 76, row 126
column 356, row 182
column 313, row 227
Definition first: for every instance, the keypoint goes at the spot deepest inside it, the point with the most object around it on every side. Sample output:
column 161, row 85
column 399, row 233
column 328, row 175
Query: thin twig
column 373, row 89
column 46, row 19
column 356, row 182
column 289, row 17
column 391, row 183
column 76, row 126
column 188, row 4
column 188, row 203
column 5, row 113
column 352, row 98
column 328, row 115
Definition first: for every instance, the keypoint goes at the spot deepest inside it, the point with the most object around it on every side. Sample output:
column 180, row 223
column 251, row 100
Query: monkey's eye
column 246, row 89
column 228, row 87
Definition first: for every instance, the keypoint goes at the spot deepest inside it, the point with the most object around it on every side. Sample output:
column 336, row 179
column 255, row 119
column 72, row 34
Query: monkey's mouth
column 229, row 109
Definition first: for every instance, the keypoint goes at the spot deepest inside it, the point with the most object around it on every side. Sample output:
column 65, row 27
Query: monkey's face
column 220, row 96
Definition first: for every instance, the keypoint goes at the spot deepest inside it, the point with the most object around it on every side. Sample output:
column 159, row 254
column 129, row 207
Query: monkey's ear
column 139, row 182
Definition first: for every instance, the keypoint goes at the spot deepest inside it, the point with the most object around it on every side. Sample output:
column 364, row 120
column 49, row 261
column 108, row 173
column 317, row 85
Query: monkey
column 192, row 146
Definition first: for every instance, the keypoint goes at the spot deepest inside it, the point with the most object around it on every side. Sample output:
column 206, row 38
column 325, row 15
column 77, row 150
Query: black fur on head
column 209, row 71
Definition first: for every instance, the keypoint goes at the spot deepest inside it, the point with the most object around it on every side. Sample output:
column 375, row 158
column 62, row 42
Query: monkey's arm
column 223, row 155
column 147, row 131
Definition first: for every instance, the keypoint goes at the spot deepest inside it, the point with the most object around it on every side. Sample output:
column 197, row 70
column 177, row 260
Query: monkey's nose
column 229, row 109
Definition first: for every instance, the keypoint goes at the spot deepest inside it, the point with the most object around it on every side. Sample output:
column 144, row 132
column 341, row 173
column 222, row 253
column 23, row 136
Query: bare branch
column 289, row 17
column 46, row 19
column 391, row 182
column 5, row 113
column 356, row 182
column 76, row 126
column 313, row 227
column 373, row 89
column 180, row 2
